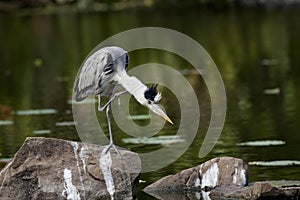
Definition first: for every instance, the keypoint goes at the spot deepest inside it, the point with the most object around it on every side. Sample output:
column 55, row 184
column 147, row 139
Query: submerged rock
column 223, row 171
column 45, row 168
column 260, row 190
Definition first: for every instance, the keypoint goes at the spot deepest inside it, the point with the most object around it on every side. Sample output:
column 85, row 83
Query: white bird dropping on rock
column 70, row 189
column 105, row 166
column 210, row 177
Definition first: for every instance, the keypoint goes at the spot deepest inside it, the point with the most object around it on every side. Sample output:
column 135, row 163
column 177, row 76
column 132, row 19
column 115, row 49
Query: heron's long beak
column 157, row 110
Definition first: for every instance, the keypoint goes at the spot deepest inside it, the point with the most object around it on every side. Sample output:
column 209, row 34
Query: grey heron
column 104, row 70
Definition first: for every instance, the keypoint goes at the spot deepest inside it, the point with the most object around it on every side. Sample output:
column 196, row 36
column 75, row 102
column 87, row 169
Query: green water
column 257, row 54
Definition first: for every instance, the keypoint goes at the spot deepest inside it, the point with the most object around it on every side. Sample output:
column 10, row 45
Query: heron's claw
column 111, row 145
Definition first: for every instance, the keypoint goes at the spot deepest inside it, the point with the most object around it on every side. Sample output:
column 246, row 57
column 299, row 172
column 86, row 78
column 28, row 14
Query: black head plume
column 151, row 94
column 126, row 60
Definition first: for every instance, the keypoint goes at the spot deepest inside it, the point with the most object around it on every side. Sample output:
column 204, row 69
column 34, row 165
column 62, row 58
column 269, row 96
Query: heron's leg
column 111, row 141
column 116, row 95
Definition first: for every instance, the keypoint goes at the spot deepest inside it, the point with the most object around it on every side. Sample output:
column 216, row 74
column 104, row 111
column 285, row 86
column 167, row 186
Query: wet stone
column 260, row 190
column 220, row 178
column 46, row 168
column 223, row 171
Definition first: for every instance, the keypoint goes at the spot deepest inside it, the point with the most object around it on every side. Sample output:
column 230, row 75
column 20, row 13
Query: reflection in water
column 275, row 163
column 70, row 123
column 38, row 132
column 262, row 143
column 178, row 196
column 36, row 112
column 163, row 140
column 257, row 54
column 6, row 122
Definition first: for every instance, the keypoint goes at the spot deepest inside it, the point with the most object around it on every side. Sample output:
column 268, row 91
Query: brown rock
column 224, row 171
column 45, row 168
column 183, row 181
column 224, row 177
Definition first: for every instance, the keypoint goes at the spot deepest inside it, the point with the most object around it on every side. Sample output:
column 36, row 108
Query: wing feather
column 89, row 76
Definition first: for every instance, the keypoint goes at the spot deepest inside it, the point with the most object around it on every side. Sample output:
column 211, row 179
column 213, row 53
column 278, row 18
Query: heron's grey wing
column 89, row 77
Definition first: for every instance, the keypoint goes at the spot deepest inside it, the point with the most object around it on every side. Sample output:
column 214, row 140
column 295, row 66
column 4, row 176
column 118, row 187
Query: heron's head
column 152, row 97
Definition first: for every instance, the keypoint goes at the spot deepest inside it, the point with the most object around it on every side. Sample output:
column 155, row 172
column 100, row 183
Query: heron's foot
column 112, row 145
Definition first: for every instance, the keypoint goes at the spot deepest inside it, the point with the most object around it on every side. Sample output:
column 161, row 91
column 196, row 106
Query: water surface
column 257, row 54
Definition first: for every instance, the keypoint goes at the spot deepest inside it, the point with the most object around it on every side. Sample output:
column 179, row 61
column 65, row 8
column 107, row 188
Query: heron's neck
column 133, row 85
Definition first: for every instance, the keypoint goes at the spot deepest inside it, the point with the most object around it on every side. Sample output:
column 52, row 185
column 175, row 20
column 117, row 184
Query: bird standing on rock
column 102, row 72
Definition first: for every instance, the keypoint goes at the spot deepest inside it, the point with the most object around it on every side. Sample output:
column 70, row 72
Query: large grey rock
column 223, row 171
column 220, row 178
column 47, row 168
